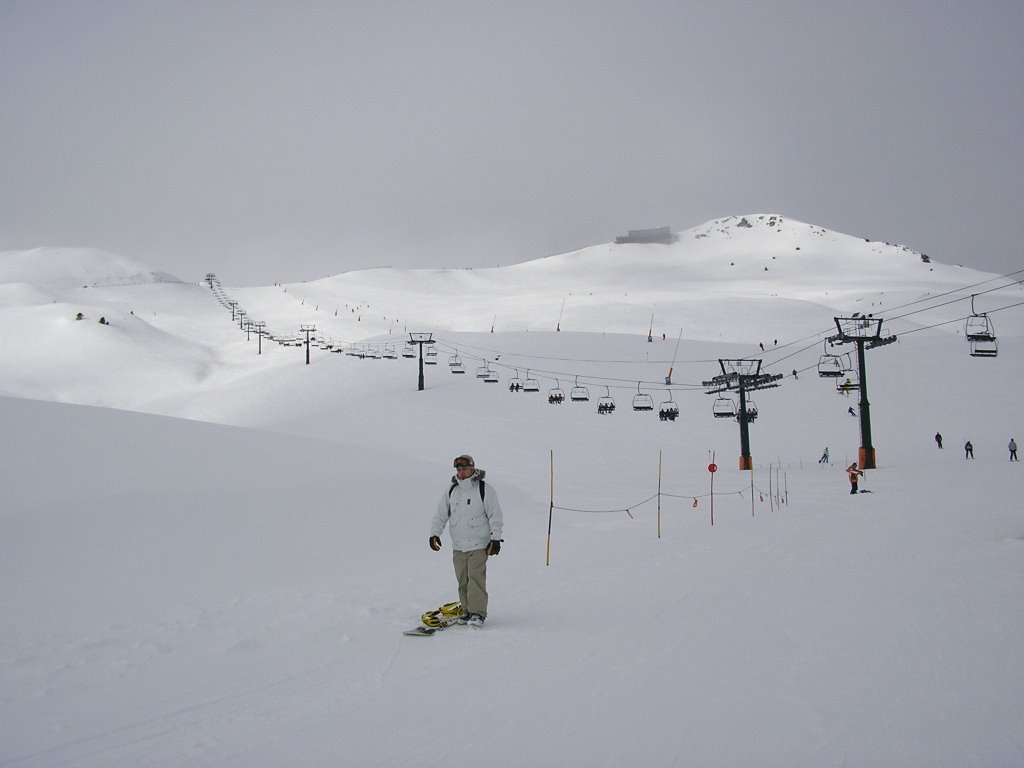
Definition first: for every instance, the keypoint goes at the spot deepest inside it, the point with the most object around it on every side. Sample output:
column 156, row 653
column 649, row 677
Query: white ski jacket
column 471, row 522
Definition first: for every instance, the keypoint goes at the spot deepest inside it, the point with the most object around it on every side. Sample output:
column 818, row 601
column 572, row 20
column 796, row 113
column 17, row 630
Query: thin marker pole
column 712, row 490
column 551, row 506
column 659, row 494
column 751, row 491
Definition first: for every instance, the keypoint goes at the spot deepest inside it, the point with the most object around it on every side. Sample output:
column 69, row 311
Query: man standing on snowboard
column 470, row 509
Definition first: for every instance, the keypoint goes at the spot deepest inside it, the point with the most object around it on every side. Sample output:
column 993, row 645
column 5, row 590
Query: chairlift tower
column 742, row 376
column 866, row 332
column 421, row 339
column 232, row 304
column 307, row 329
column 258, row 327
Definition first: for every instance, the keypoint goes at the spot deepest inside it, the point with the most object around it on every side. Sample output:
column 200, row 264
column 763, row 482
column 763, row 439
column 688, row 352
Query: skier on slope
column 854, row 474
column 470, row 509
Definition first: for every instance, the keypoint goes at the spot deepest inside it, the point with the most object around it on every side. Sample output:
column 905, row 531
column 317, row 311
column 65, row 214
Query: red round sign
column 712, row 467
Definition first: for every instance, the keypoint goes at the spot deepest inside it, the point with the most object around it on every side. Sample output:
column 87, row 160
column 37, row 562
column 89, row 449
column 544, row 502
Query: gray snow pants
column 471, row 571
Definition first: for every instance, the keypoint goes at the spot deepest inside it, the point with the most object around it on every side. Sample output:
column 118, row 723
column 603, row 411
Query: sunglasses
column 463, row 465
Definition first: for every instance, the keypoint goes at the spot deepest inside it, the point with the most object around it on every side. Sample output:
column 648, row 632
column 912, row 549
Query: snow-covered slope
column 232, row 593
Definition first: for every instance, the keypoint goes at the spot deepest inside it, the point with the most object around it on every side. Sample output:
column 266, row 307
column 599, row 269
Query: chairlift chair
column 979, row 328
column 642, row 401
column 431, row 357
column 530, row 385
column 408, row 351
column 751, row 410
column 491, row 377
column 668, row 410
column 984, row 348
column 724, row 408
column 482, row 371
column 579, row 394
column 555, row 395
column 515, row 384
column 850, row 384
column 389, row 352
column 830, row 366
column 606, row 403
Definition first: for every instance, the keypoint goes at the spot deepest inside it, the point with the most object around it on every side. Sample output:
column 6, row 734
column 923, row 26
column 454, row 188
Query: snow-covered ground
column 215, row 567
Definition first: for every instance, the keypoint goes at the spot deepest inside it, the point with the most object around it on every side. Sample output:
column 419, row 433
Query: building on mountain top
column 659, row 235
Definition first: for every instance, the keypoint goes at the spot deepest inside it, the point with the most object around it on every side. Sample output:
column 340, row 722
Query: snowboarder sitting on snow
column 855, row 475
column 470, row 509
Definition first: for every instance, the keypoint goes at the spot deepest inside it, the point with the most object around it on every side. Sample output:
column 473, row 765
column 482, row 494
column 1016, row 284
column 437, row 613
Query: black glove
column 435, row 543
column 494, row 547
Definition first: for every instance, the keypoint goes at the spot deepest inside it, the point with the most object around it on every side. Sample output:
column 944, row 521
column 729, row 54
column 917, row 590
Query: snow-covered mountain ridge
column 737, row 280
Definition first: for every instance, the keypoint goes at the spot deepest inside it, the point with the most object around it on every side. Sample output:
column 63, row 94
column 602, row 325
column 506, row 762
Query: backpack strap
column 483, row 492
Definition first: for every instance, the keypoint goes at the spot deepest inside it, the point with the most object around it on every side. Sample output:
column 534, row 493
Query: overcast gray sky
column 283, row 141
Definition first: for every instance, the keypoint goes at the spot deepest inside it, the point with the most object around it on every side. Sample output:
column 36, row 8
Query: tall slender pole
column 712, row 489
column 746, row 462
column 307, row 329
column 751, row 493
column 421, row 339
column 659, row 494
column 420, row 387
column 551, row 504
column 867, row 451
column 866, row 333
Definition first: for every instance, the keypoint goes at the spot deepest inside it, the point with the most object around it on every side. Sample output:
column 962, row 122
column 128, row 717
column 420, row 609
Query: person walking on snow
column 1013, row 450
column 968, row 450
column 938, row 439
column 470, row 509
column 854, row 475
